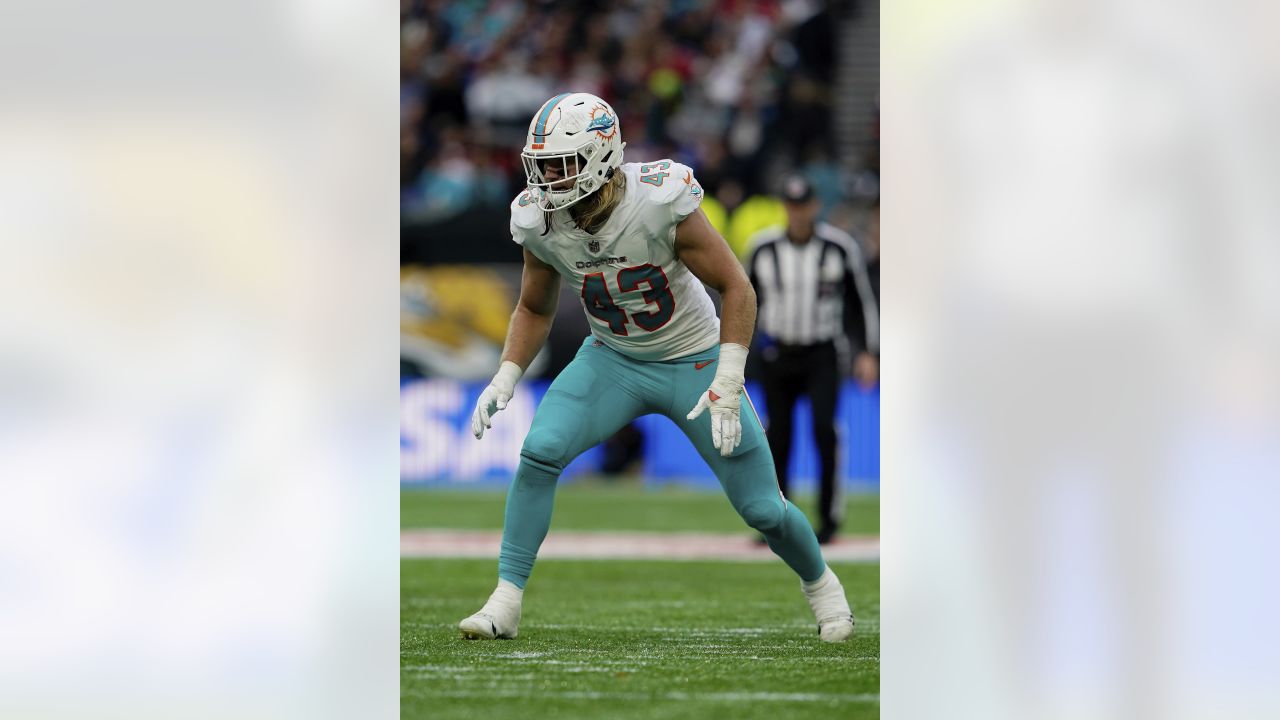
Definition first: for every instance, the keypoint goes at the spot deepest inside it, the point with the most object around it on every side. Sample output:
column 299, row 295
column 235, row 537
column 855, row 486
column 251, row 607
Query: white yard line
column 861, row 626
column 587, row 545
column 676, row 696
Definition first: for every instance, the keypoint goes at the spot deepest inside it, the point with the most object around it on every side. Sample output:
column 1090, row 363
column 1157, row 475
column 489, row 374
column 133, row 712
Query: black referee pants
column 804, row 370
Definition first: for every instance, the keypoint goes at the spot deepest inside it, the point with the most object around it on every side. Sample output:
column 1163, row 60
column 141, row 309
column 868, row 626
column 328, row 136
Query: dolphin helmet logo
column 602, row 123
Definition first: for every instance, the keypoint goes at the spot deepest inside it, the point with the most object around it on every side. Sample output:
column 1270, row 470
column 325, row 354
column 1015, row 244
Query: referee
column 814, row 295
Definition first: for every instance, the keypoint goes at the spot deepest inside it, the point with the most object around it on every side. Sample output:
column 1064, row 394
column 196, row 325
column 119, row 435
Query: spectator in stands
column 702, row 82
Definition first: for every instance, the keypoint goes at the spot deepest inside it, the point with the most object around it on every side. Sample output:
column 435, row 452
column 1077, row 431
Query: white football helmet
column 574, row 144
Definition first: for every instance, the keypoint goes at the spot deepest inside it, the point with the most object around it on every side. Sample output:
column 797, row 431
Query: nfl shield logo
column 594, row 246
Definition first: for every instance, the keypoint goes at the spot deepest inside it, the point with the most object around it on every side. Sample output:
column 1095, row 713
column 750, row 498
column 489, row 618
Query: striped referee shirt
column 816, row 291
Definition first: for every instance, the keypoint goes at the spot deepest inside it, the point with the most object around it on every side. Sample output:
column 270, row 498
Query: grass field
column 631, row 639
column 626, row 506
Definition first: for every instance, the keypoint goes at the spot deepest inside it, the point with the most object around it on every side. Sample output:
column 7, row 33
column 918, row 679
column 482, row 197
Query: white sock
column 821, row 581
column 508, row 592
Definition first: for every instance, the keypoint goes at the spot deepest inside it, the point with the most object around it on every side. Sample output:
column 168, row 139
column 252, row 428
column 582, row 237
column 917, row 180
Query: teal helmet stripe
column 540, row 130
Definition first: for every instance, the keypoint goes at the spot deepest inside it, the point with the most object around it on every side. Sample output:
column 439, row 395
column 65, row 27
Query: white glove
column 723, row 399
column 495, row 397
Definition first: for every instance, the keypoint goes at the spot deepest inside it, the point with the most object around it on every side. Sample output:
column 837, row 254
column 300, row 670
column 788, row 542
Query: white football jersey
column 639, row 298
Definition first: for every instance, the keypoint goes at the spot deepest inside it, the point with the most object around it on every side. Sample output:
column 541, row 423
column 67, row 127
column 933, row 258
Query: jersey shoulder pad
column 667, row 182
column 526, row 218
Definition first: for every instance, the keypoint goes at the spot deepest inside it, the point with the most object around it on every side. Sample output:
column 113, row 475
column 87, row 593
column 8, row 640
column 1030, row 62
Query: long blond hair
column 593, row 212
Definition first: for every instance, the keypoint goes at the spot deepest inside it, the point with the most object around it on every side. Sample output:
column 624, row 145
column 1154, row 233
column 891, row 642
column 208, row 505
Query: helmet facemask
column 558, row 180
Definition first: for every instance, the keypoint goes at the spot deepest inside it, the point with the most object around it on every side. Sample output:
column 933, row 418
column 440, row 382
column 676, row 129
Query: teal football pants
column 596, row 395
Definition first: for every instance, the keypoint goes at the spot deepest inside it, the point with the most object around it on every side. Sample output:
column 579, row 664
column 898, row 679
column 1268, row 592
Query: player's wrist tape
column 733, row 363
column 509, row 373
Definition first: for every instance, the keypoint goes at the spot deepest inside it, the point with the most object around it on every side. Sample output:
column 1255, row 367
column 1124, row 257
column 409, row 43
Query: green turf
column 587, row 506
column 636, row 640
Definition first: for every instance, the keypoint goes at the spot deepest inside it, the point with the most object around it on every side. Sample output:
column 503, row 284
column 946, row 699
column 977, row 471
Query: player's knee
column 764, row 515
column 545, row 447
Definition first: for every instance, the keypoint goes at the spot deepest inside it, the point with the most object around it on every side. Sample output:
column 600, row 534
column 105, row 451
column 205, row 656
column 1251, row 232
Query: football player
column 634, row 245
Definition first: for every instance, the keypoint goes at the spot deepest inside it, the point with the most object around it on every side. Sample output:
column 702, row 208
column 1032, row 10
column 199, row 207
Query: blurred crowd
column 740, row 90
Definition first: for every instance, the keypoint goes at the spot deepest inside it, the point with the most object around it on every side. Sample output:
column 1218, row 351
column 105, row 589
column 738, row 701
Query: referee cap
column 796, row 189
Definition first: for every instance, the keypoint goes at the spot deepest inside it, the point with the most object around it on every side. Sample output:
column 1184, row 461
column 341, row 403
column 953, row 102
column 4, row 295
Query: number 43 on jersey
column 599, row 302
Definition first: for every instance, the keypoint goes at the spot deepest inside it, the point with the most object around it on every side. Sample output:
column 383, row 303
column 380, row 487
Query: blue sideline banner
column 437, row 448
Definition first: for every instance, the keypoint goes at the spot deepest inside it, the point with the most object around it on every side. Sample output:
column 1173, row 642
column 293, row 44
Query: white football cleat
column 499, row 618
column 830, row 608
